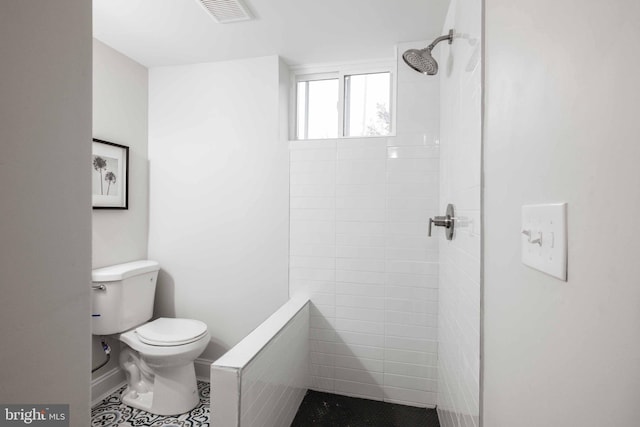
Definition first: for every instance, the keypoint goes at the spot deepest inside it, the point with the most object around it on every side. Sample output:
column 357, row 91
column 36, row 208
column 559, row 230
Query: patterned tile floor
column 112, row 412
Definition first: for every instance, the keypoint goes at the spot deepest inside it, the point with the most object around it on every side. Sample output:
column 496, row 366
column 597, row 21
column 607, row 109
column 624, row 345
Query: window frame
column 310, row 78
column 340, row 71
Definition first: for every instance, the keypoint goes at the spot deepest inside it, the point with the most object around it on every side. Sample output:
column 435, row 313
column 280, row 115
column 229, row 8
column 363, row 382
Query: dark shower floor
column 331, row 410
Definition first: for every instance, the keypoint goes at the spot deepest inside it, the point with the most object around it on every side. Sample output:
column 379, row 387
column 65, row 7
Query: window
column 317, row 107
column 344, row 104
column 367, row 104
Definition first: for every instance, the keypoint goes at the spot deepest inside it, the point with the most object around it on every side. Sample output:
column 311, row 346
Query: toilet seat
column 167, row 332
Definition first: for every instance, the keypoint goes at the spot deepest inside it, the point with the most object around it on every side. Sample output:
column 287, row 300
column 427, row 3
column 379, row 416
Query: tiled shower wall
column 359, row 249
column 460, row 162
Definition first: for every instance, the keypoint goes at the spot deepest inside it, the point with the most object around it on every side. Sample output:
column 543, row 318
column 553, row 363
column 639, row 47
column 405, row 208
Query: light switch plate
column 544, row 238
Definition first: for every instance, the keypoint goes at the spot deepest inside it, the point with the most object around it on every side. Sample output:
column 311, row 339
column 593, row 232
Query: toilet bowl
column 158, row 362
column 157, row 356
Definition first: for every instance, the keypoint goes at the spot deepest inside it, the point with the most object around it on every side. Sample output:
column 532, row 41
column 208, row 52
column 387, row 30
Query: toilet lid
column 169, row 332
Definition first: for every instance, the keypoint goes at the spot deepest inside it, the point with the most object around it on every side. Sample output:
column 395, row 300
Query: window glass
column 317, row 109
column 367, row 110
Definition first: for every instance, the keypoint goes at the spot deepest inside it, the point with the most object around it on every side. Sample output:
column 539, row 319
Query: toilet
column 157, row 356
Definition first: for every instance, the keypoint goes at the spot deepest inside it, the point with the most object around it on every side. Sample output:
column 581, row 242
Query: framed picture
column 109, row 175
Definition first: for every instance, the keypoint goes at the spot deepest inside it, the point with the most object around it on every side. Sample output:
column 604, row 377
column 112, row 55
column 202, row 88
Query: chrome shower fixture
column 421, row 59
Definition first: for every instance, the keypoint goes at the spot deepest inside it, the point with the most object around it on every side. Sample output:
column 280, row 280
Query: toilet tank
column 122, row 296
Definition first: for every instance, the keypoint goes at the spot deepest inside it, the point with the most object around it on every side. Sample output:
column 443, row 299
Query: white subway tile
column 366, row 215
column 322, row 334
column 311, row 167
column 412, row 383
column 328, row 311
column 411, row 370
column 312, row 262
column 365, row 143
column 312, row 203
column 360, row 277
column 312, row 144
column 301, row 249
column 416, row 397
column 408, row 292
column 301, row 236
column 361, row 172
column 272, row 385
column 356, row 313
column 312, row 154
column 369, row 340
column 405, row 138
column 349, row 388
column 312, row 286
column 352, row 362
column 408, row 318
column 360, row 252
column 315, row 190
column 414, row 152
column 363, row 228
column 412, row 267
column 410, row 254
column 366, row 352
column 318, row 346
column 377, row 241
column 361, row 190
column 416, row 229
column 321, row 322
column 359, row 375
column 396, row 177
column 406, row 356
column 359, row 290
column 349, row 325
column 360, row 301
column 421, row 204
column 415, row 280
column 321, row 370
column 357, row 264
column 362, row 202
column 325, row 228
column 318, row 177
column 412, row 215
column 362, row 153
column 419, row 167
column 322, row 299
column 421, row 188
column 411, row 331
column 312, row 274
column 322, row 384
column 412, row 306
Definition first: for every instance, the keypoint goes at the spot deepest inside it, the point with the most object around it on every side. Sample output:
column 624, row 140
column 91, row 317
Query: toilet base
column 162, row 391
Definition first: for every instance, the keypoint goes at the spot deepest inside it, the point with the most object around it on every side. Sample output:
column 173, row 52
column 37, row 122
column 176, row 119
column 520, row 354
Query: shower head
column 421, row 59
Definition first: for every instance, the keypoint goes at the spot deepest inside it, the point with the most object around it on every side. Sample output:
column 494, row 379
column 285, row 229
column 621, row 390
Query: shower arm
column 441, row 38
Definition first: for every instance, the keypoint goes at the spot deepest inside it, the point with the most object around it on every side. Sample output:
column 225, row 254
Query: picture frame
column 109, row 175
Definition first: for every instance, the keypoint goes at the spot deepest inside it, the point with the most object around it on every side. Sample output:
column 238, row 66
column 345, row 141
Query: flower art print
column 109, row 175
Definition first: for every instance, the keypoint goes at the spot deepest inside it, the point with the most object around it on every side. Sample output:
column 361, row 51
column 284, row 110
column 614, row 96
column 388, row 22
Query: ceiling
column 171, row 32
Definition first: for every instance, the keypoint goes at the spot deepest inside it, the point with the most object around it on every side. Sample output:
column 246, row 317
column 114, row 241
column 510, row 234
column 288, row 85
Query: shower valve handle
column 439, row 221
column 446, row 221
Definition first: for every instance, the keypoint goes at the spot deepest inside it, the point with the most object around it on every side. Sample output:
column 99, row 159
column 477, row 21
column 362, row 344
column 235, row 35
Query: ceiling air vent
column 226, row 11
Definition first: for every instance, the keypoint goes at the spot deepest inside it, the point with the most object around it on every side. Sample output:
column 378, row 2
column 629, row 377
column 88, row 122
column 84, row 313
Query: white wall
column 120, row 115
column 460, row 160
column 562, row 125
column 45, row 256
column 219, row 196
column 359, row 210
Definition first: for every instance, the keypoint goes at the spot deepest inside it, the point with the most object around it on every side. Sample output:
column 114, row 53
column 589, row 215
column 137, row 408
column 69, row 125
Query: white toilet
column 158, row 356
